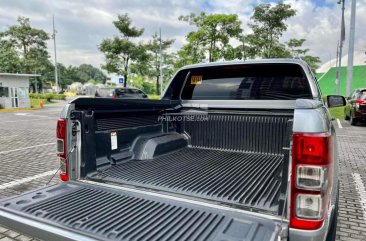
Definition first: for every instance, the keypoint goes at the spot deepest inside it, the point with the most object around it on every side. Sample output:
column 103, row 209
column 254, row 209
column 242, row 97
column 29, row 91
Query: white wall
column 15, row 82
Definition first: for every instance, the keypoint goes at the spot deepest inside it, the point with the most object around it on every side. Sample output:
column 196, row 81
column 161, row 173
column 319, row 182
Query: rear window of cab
column 246, row 82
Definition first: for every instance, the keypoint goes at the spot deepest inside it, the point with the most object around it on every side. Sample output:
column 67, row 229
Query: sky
column 82, row 24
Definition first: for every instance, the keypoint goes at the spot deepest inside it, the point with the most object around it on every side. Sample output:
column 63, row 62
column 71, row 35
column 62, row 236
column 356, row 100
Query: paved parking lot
column 27, row 154
column 352, row 207
column 28, row 161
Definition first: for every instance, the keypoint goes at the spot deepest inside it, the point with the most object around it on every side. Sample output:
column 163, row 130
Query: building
column 14, row 90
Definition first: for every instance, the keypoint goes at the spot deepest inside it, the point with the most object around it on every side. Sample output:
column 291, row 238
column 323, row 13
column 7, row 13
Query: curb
column 18, row 109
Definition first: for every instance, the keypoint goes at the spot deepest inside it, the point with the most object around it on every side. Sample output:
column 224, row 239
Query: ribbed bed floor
column 248, row 179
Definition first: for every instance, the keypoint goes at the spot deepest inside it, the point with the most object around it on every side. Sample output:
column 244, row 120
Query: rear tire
column 346, row 117
column 352, row 120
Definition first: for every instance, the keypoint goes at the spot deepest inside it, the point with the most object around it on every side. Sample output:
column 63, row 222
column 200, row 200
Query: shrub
column 34, row 95
column 59, row 96
column 48, row 96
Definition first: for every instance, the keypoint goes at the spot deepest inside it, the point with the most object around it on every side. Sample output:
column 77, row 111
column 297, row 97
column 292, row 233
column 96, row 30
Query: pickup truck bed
column 231, row 152
column 248, row 179
column 75, row 211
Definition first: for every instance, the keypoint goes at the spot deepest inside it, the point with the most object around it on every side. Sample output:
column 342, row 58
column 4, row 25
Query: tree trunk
column 24, row 50
column 157, row 85
column 210, row 53
column 125, row 82
column 126, row 71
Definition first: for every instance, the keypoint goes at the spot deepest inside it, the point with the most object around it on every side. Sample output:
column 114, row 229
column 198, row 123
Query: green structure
column 326, row 80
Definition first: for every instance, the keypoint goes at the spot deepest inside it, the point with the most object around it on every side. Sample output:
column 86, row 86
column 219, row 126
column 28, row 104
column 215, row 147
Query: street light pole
column 54, row 47
column 351, row 49
column 161, row 67
column 342, row 38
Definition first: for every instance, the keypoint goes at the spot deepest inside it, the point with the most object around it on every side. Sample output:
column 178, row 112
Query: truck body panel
column 137, row 168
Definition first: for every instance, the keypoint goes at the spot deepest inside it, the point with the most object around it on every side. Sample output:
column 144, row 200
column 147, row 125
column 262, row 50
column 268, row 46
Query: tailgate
column 82, row 211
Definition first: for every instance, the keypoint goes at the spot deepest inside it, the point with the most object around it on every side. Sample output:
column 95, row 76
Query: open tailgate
column 82, row 211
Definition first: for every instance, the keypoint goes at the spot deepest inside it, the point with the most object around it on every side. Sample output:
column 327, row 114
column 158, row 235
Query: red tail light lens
column 61, row 148
column 311, row 180
column 61, row 129
column 311, row 149
column 360, row 101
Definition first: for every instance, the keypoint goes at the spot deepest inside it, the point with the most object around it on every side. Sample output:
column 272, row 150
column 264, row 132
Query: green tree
column 26, row 50
column 212, row 36
column 190, row 53
column 68, row 75
column 139, row 81
column 120, row 51
column 37, row 61
column 25, row 39
column 268, row 26
column 151, row 67
column 9, row 59
column 88, row 72
column 294, row 46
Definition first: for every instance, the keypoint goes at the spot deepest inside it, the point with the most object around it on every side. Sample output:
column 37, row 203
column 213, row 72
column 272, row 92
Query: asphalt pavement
column 27, row 154
column 28, row 161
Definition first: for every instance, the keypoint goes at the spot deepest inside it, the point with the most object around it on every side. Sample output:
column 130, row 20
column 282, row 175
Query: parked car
column 233, row 151
column 129, row 93
column 104, row 92
column 355, row 109
column 121, row 93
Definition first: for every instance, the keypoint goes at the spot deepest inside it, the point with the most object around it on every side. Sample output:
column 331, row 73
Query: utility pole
column 161, row 68
column 243, row 43
column 342, row 38
column 351, row 48
column 54, row 48
column 338, row 72
column 337, row 54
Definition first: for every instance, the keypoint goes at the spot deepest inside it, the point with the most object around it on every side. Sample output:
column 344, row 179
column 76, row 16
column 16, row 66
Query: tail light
column 311, row 181
column 61, row 148
column 359, row 101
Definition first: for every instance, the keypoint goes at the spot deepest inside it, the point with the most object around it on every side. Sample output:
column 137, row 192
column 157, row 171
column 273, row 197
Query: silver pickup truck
column 233, row 151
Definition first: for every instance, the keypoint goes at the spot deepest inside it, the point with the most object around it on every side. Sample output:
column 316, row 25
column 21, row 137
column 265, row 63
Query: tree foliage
column 29, row 43
column 68, row 75
column 83, row 74
column 9, row 59
column 24, row 50
column 120, row 51
column 87, row 72
column 24, row 37
column 139, row 81
column 296, row 50
column 268, row 25
column 212, row 36
column 151, row 66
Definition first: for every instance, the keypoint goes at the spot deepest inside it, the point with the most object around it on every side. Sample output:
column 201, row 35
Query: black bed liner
column 102, row 213
column 247, row 179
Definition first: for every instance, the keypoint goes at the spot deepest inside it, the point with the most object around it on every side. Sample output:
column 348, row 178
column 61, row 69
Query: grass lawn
column 337, row 112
